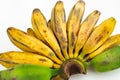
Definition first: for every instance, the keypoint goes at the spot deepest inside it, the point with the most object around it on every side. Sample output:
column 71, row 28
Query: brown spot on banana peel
column 105, row 63
column 98, row 38
column 73, row 38
column 42, row 60
column 51, row 54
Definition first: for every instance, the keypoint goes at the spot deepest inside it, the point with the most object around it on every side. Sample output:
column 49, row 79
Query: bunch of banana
column 70, row 46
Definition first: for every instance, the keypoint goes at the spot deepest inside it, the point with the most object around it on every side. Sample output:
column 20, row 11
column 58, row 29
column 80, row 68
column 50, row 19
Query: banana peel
column 28, row 72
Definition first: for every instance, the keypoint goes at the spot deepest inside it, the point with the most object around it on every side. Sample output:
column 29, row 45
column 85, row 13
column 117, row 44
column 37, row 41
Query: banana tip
column 36, row 10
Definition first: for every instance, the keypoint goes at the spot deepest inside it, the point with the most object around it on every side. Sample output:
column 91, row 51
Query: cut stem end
column 71, row 67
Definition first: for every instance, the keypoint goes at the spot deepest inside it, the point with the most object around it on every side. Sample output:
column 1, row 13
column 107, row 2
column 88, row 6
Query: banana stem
column 71, row 67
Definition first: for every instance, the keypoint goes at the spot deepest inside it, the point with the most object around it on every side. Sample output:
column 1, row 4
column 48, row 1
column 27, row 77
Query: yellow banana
column 110, row 42
column 15, row 57
column 36, row 30
column 45, row 32
column 32, row 43
column 85, row 30
column 98, row 36
column 12, row 64
column 20, row 45
column 31, row 32
column 73, row 25
column 58, row 22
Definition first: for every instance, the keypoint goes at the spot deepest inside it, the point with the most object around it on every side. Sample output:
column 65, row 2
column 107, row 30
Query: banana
column 73, row 25
column 85, row 30
column 20, row 45
column 36, row 30
column 107, row 60
column 98, row 36
column 58, row 22
column 16, row 57
column 31, row 32
column 110, row 42
column 40, row 21
column 28, row 72
column 32, row 43
column 12, row 64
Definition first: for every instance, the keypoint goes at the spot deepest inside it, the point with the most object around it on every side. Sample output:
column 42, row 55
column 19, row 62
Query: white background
column 17, row 13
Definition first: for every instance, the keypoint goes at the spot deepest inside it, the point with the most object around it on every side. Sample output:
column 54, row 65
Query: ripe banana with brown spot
column 31, row 32
column 32, row 43
column 40, row 21
column 73, row 25
column 112, row 41
column 20, row 45
column 98, row 36
column 58, row 24
column 36, row 30
column 16, row 57
column 86, row 28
